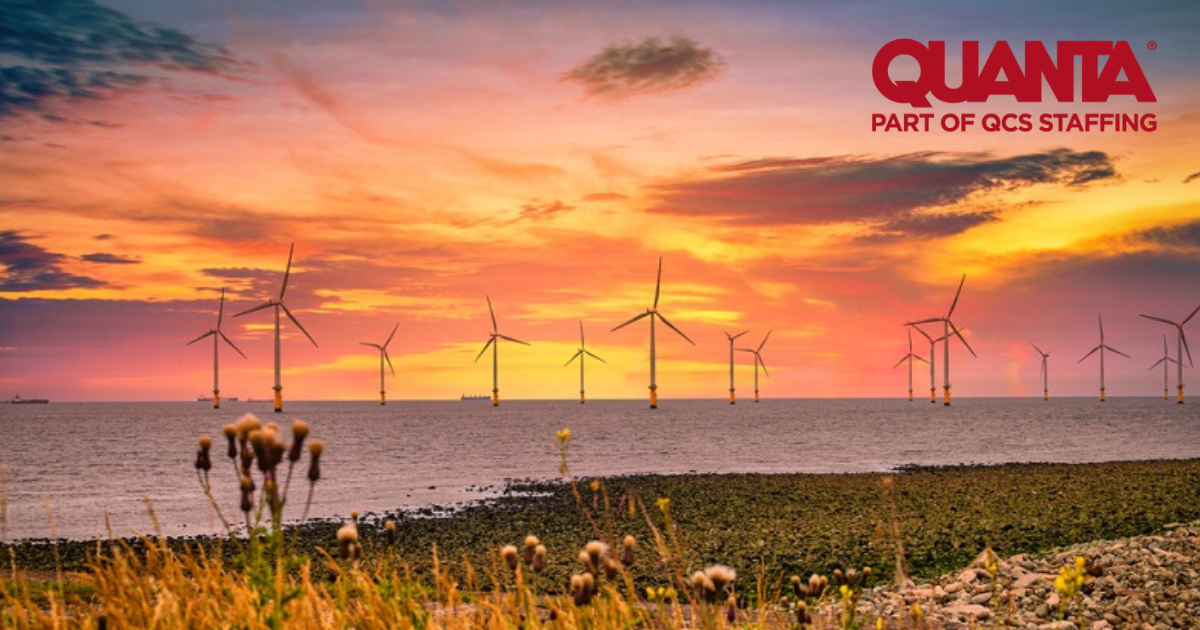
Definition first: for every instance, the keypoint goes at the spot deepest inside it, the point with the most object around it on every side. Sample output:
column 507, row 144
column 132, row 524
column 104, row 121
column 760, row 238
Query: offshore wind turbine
column 216, row 333
column 758, row 360
column 1102, row 348
column 494, row 342
column 1045, row 373
column 1181, row 345
column 949, row 328
column 909, row 357
column 579, row 354
column 732, row 396
column 932, row 375
column 278, row 304
column 1166, row 362
column 383, row 356
column 653, row 314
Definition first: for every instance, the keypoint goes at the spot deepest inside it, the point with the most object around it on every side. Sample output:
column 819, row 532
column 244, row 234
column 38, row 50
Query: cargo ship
column 209, row 399
column 17, row 400
column 479, row 397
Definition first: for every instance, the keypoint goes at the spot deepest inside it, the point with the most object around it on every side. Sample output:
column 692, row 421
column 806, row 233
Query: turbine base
column 1102, row 395
column 732, row 398
column 382, row 398
column 278, row 398
column 582, row 398
column 495, row 398
column 946, row 396
column 910, row 398
column 216, row 399
column 653, row 397
column 1180, row 394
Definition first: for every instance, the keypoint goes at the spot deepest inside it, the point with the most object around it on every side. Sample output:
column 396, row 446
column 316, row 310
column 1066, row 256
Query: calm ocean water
column 85, row 458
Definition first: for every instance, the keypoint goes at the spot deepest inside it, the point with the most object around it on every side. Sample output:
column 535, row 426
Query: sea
column 70, row 468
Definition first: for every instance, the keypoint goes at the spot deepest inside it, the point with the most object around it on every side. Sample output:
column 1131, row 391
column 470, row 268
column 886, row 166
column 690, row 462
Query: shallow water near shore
column 84, row 459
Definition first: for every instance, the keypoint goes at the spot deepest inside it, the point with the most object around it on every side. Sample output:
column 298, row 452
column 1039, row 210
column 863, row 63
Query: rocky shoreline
column 1144, row 583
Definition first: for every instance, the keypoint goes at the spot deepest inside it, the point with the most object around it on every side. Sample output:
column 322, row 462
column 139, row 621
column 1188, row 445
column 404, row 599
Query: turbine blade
column 658, row 283
column 746, row 350
column 1165, row 351
column 956, row 294
column 389, row 362
column 231, row 345
column 594, row 356
column 672, row 327
column 267, row 304
column 630, row 321
column 297, row 323
column 287, row 273
column 221, row 310
column 1157, row 363
column 581, row 342
column 1101, row 320
column 961, row 338
column 740, row 334
column 1186, row 349
column 925, row 321
column 1159, row 319
column 758, row 357
column 578, row 353
column 917, row 357
column 920, row 330
column 389, row 339
column 1038, row 349
column 910, row 340
column 372, row 345
column 1189, row 317
column 1090, row 353
column 1043, row 369
column 1112, row 349
column 506, row 338
column 209, row 333
column 491, row 312
column 901, row 361
column 764, row 341
column 485, row 347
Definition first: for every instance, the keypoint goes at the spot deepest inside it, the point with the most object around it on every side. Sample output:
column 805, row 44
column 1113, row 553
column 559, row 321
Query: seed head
column 630, row 542
column 595, row 549
column 721, row 576
column 315, row 448
column 299, row 433
column 347, row 537
column 389, row 528
column 230, row 432
column 611, row 568
column 539, row 559
column 531, row 541
column 245, row 425
column 509, row 554
column 627, row 555
column 205, row 443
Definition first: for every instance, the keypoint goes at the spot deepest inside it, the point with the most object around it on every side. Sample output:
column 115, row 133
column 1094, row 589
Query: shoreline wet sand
column 787, row 523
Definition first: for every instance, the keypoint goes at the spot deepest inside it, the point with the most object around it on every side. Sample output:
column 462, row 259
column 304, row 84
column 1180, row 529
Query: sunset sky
column 422, row 156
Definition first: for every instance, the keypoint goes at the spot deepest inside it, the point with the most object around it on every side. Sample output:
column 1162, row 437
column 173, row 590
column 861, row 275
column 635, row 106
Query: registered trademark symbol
column 1153, row 45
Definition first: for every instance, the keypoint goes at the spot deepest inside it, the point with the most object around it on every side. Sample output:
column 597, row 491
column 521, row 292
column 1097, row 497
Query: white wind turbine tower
column 1102, row 348
column 1045, row 373
column 494, row 342
column 383, row 356
column 949, row 329
column 1166, row 362
column 279, row 305
column 732, row 396
column 216, row 333
column 1181, row 346
column 653, row 314
column 758, row 360
column 579, row 354
column 932, row 345
column 909, row 357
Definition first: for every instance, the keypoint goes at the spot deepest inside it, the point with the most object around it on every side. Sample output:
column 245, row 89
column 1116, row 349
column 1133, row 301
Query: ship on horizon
column 476, row 397
column 17, row 400
column 209, row 399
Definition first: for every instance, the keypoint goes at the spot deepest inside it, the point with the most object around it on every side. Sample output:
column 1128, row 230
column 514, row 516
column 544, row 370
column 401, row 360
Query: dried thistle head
column 245, row 425
column 539, row 559
column 627, row 555
column 510, row 556
column 230, row 433
column 347, row 537
column 594, row 550
column 389, row 529
column 203, row 461
column 299, row 433
column 721, row 576
column 315, row 448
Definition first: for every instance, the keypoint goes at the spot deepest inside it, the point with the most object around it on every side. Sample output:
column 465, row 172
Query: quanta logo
column 1097, row 84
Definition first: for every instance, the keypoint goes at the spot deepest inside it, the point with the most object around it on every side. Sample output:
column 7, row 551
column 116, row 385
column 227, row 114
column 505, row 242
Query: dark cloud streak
column 647, row 67
column 827, row 190
column 29, row 267
column 55, row 50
